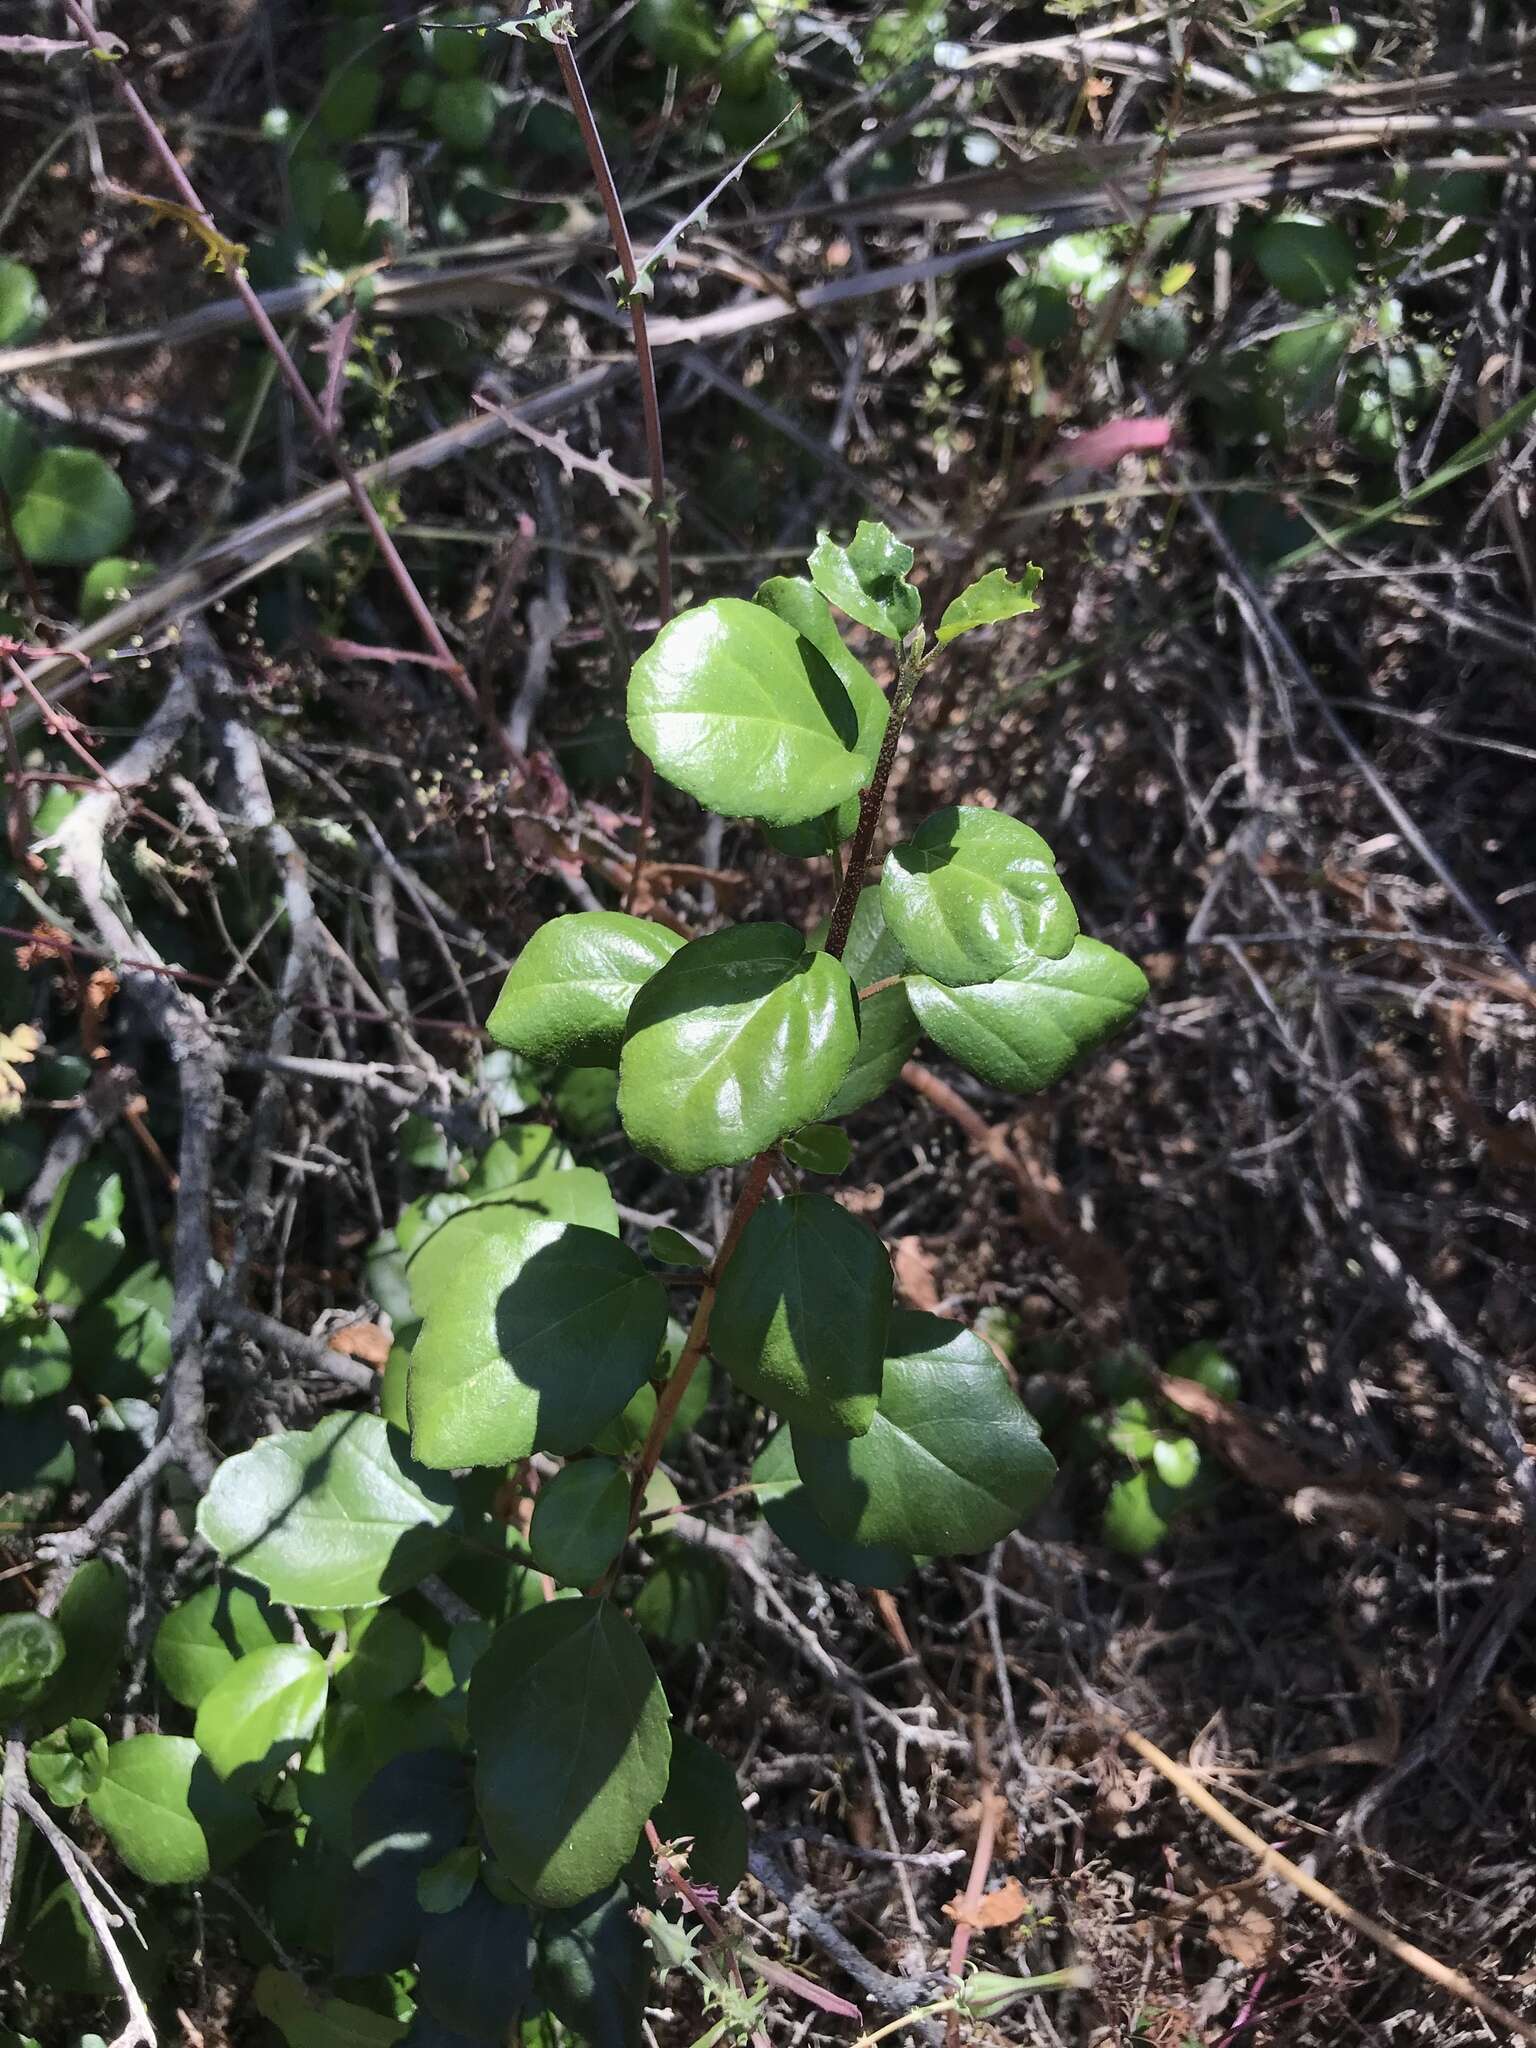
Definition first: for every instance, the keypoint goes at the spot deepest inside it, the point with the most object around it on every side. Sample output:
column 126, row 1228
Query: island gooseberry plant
column 422, row 1733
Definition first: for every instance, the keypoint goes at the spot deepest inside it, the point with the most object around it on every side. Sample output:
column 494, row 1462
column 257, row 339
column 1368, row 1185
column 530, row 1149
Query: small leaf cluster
column 1140, row 1438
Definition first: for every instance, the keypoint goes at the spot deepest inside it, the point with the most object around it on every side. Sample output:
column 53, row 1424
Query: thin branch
column 140, row 2030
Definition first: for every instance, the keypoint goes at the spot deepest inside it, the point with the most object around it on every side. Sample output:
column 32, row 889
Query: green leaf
column 269, row 1705
column 23, row 309
column 464, row 114
column 167, row 1814
column 69, row 1764
column 570, row 988
column 679, row 32
column 683, row 1600
column 122, row 1341
column 1137, row 1514
column 386, row 1654
column 671, row 1248
column 109, row 583
column 888, row 1032
column 349, row 106
column 570, row 1724
column 1177, row 1460
column 580, row 1521
column 444, row 1886
column 547, row 1331
column 19, row 449
column 93, row 1620
column 305, row 2019
column 475, row 1965
column 742, row 712
column 788, row 1511
column 952, row 1461
column 819, row 1148
column 336, row 1515
column 972, row 894
column 867, row 579
column 1308, row 261
column 797, row 601
column 31, row 1651
column 82, row 1234
column 1208, row 1364
column 74, row 510
column 1305, row 362
column 407, row 1817
column 800, row 1319
column 36, row 1458
column 702, row 1801
column 1025, row 1031
column 592, row 1968
column 35, row 1363
column 586, row 1100
column 989, row 600
column 740, row 1039
column 198, row 1642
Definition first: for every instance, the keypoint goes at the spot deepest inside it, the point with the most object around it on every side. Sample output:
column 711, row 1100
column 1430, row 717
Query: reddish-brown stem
column 992, row 1811
column 650, row 403
column 309, row 405
column 872, row 801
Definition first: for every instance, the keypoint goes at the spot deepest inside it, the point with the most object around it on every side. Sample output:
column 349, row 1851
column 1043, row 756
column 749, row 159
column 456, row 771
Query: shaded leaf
column 475, row 1966
column 791, row 1515
column 580, row 1521
column 31, row 1651
column 70, row 1763
column 408, row 1817
column 167, row 1814
column 592, row 1966
column 93, row 1619
column 306, row 2019
column 73, row 510
column 702, row 1802
column 683, row 1599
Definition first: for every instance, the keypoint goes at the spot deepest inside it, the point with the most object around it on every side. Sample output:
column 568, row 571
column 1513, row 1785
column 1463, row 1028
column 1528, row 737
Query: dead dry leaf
column 366, row 1341
column 1242, row 1924
column 1000, row 1908
column 915, row 1271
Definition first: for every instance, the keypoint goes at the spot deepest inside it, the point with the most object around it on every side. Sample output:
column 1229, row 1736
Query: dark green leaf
column 349, row 105
column 336, row 1515
column 702, row 1802
column 93, row 1620
column 198, row 1642
column 974, row 893
column 31, row 1651
column 19, row 449
column 82, row 1234
column 819, row 1148
column 475, row 1966
column 888, row 1032
column 73, row 510
column 1024, row 1031
column 788, row 1511
column 671, row 1248
column 569, row 990
column 738, row 709
column 70, row 1763
column 167, row 1814
column 35, row 1362
column 408, row 1817
column 386, row 1652
column 740, row 1039
column 679, row 32
column 306, row 2019
column 952, row 1461
column 1208, row 1364
column 989, row 600
column 570, row 1723
column 593, row 1967
column 800, row 1319
column 580, row 1520
column 262, row 1710
column 867, row 579
column 683, row 1600
column 1308, row 261
column 464, row 114
column 546, row 1332
column 797, row 601
column 443, row 1887
column 586, row 1100
column 122, row 1342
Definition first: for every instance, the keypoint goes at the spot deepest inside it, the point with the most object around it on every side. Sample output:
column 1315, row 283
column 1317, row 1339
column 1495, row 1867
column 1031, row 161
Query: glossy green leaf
column 683, row 1600
column 464, row 114
column 789, row 1513
column 592, row 1968
column 702, row 1802
column 23, row 308
column 570, row 1724
column 742, row 712
column 306, row 2019
column 263, row 1709
column 82, row 1234
column 475, row 1966
column 547, row 1331
column 69, row 1764
column 407, row 1817
column 800, row 1319
column 93, row 1619
column 1309, row 261
column 166, row 1812
column 1025, row 1031
column 1177, row 1461
column 197, row 1643
column 337, row 1515
column 972, row 894
column 73, row 510
column 110, row 582
column 867, row 579
column 952, row 1461
column 988, row 601
column 569, row 990
column 888, row 1031
column 797, row 601
column 31, row 1651
column 819, row 1148
column 580, row 1521
column 740, row 1039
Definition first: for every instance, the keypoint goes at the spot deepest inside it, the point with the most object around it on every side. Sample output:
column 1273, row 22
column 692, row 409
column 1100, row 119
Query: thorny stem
column 755, row 1186
column 368, row 512
column 650, row 404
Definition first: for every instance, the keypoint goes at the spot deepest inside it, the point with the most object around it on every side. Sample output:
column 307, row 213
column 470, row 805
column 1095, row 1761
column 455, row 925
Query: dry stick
column 1271, row 1861
column 250, row 298
column 650, row 403
column 140, row 2030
